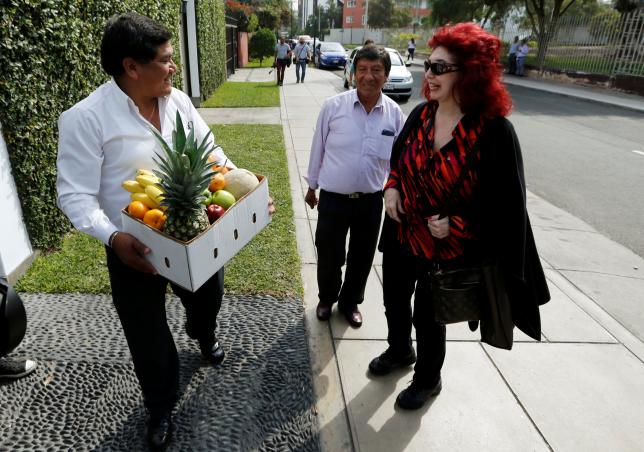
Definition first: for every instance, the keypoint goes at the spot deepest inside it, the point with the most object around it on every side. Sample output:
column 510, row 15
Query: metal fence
column 606, row 45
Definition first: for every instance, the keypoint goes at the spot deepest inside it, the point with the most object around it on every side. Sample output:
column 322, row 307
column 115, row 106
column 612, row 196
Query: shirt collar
column 123, row 97
column 356, row 100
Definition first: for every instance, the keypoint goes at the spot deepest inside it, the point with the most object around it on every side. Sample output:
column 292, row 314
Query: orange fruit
column 154, row 218
column 137, row 209
column 220, row 169
column 217, row 182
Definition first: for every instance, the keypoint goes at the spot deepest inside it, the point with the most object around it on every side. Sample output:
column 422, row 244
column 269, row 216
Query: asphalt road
column 578, row 155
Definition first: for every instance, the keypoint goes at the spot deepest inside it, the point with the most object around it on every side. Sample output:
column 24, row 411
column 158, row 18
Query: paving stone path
column 85, row 396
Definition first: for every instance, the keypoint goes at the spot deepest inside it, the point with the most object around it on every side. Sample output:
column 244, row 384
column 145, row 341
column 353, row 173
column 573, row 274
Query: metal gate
column 231, row 45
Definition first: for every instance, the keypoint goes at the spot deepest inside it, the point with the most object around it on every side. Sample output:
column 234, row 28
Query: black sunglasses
column 441, row 67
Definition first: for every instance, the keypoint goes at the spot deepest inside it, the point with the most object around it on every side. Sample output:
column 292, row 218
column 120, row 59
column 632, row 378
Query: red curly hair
column 480, row 89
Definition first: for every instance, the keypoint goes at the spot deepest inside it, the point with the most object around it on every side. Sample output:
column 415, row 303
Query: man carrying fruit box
column 103, row 140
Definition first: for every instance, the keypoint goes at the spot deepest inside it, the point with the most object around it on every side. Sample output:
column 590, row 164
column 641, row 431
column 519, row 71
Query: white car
column 400, row 81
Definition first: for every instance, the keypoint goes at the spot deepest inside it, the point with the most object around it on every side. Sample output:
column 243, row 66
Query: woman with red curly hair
column 455, row 198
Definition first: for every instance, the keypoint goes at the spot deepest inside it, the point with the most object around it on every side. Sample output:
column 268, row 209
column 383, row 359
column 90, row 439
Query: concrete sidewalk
column 580, row 389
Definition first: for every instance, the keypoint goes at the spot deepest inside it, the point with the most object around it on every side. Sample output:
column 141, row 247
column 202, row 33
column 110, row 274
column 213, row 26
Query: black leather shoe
column 323, row 311
column 390, row 361
column 352, row 314
column 159, row 431
column 214, row 353
column 12, row 368
column 415, row 396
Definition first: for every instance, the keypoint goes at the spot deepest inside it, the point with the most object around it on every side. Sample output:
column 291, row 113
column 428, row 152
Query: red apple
column 214, row 212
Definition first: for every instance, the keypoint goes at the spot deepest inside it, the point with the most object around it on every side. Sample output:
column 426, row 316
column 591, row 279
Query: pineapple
column 184, row 173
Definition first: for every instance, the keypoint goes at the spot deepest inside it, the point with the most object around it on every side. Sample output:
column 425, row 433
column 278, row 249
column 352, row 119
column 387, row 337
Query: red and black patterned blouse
column 425, row 178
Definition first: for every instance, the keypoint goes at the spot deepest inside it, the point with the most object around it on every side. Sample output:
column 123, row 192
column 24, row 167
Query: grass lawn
column 269, row 264
column 245, row 94
column 253, row 64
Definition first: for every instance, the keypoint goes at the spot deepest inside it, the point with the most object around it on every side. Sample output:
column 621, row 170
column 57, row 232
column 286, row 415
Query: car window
column 395, row 59
column 332, row 47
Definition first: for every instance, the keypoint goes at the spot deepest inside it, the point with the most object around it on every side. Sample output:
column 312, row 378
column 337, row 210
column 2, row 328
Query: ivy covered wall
column 211, row 37
column 49, row 55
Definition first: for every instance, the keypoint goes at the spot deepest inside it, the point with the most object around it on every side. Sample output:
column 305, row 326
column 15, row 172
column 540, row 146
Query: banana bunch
column 145, row 189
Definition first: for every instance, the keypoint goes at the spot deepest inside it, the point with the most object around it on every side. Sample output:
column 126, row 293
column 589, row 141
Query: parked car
column 400, row 81
column 330, row 54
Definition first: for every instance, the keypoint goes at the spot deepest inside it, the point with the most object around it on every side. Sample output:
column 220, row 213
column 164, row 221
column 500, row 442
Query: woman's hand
column 439, row 228
column 393, row 204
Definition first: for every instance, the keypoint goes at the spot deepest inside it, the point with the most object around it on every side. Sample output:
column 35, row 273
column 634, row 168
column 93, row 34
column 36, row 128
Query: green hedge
column 49, row 55
column 211, row 37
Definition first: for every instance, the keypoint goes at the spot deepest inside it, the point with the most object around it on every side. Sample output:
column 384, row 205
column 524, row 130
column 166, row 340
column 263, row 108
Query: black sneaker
column 415, row 396
column 16, row 368
column 390, row 360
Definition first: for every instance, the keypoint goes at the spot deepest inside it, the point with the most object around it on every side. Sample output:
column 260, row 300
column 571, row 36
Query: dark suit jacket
column 505, row 233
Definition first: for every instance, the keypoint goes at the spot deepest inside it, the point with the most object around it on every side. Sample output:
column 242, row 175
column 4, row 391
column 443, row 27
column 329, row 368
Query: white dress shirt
column 103, row 140
column 351, row 148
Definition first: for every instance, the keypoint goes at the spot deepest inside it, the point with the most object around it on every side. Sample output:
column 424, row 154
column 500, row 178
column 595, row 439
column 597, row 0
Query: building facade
column 354, row 12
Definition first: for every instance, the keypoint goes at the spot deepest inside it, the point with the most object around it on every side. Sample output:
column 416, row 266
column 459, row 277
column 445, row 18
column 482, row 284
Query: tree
column 544, row 17
column 625, row 6
column 262, row 44
column 380, row 13
column 402, row 18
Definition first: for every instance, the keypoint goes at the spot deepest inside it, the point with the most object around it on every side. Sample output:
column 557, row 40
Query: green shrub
column 211, row 36
column 49, row 55
column 262, row 44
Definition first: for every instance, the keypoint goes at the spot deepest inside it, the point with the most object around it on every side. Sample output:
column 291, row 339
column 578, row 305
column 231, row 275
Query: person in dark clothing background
column 462, row 127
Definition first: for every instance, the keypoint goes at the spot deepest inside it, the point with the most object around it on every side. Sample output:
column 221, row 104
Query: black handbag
column 458, row 293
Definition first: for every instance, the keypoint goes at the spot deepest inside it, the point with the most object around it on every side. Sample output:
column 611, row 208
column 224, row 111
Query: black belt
column 354, row 195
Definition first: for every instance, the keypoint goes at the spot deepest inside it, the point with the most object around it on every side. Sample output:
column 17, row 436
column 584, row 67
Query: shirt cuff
column 313, row 183
column 104, row 233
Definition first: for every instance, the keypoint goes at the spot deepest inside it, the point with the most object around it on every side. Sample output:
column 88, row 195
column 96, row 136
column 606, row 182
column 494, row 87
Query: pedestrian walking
column 282, row 59
column 349, row 162
column 456, row 158
column 411, row 48
column 512, row 56
column 522, row 53
column 103, row 140
column 301, row 53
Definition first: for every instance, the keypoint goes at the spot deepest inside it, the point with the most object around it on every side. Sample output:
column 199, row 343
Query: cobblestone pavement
column 84, row 394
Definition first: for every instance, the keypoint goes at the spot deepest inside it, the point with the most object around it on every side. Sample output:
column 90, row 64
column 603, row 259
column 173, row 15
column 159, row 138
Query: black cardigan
column 505, row 232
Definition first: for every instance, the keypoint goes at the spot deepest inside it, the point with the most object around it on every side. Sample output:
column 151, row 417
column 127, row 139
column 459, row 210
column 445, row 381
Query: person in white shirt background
column 349, row 161
column 103, row 140
column 522, row 53
column 282, row 56
column 301, row 52
column 512, row 56
column 411, row 48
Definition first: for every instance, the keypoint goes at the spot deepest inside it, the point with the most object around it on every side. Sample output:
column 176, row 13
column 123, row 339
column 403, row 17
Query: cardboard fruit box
column 190, row 264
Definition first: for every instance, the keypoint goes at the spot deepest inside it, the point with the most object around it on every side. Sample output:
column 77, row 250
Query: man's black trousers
column 139, row 299
column 337, row 215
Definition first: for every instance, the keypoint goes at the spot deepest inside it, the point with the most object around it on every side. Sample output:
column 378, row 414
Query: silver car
column 400, row 81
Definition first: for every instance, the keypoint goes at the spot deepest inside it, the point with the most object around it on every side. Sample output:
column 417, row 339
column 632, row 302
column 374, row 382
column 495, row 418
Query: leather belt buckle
column 355, row 195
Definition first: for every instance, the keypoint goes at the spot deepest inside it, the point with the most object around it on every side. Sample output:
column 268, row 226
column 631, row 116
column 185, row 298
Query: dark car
column 330, row 54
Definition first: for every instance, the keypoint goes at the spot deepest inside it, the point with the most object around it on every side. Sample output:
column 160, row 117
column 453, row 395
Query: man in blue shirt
column 301, row 52
column 349, row 162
